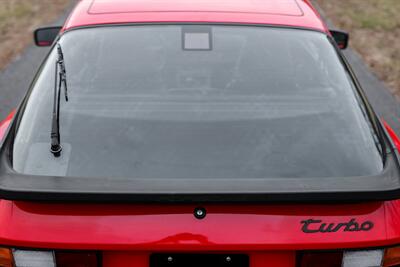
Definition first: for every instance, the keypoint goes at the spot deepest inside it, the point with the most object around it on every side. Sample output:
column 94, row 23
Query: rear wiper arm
column 60, row 80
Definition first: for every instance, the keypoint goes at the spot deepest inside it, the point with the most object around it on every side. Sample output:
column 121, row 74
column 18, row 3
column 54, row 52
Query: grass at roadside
column 374, row 26
column 18, row 19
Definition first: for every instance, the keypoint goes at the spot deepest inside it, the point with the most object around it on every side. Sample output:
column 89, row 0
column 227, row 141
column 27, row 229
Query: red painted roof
column 295, row 13
column 284, row 7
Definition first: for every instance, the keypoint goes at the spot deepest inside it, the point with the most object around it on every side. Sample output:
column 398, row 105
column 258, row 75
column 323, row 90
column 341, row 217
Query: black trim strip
column 373, row 118
column 241, row 24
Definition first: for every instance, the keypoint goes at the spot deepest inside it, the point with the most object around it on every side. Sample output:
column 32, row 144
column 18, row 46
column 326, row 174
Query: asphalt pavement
column 16, row 78
column 18, row 75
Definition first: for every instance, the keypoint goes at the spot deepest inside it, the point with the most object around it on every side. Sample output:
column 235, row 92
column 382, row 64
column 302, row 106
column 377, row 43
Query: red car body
column 126, row 234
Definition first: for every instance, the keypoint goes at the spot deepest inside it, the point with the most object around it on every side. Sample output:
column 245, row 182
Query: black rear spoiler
column 22, row 187
column 16, row 186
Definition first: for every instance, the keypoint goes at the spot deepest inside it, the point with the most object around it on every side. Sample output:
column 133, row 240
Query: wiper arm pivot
column 60, row 80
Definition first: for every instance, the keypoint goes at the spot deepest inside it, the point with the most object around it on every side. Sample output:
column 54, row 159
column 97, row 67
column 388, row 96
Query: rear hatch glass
column 198, row 101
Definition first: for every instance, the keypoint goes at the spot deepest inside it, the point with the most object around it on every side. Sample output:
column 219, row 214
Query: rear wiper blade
column 60, row 80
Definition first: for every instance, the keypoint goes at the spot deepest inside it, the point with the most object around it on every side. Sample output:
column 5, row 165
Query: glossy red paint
column 5, row 123
column 127, row 234
column 174, row 228
column 292, row 13
column 392, row 134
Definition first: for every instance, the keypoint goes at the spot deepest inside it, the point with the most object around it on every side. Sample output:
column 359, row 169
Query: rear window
column 198, row 101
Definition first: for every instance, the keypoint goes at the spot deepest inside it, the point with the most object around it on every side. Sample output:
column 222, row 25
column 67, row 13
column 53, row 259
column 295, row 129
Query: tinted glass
column 232, row 102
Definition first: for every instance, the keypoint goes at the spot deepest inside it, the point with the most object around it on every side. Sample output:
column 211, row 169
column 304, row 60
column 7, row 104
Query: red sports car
column 178, row 133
